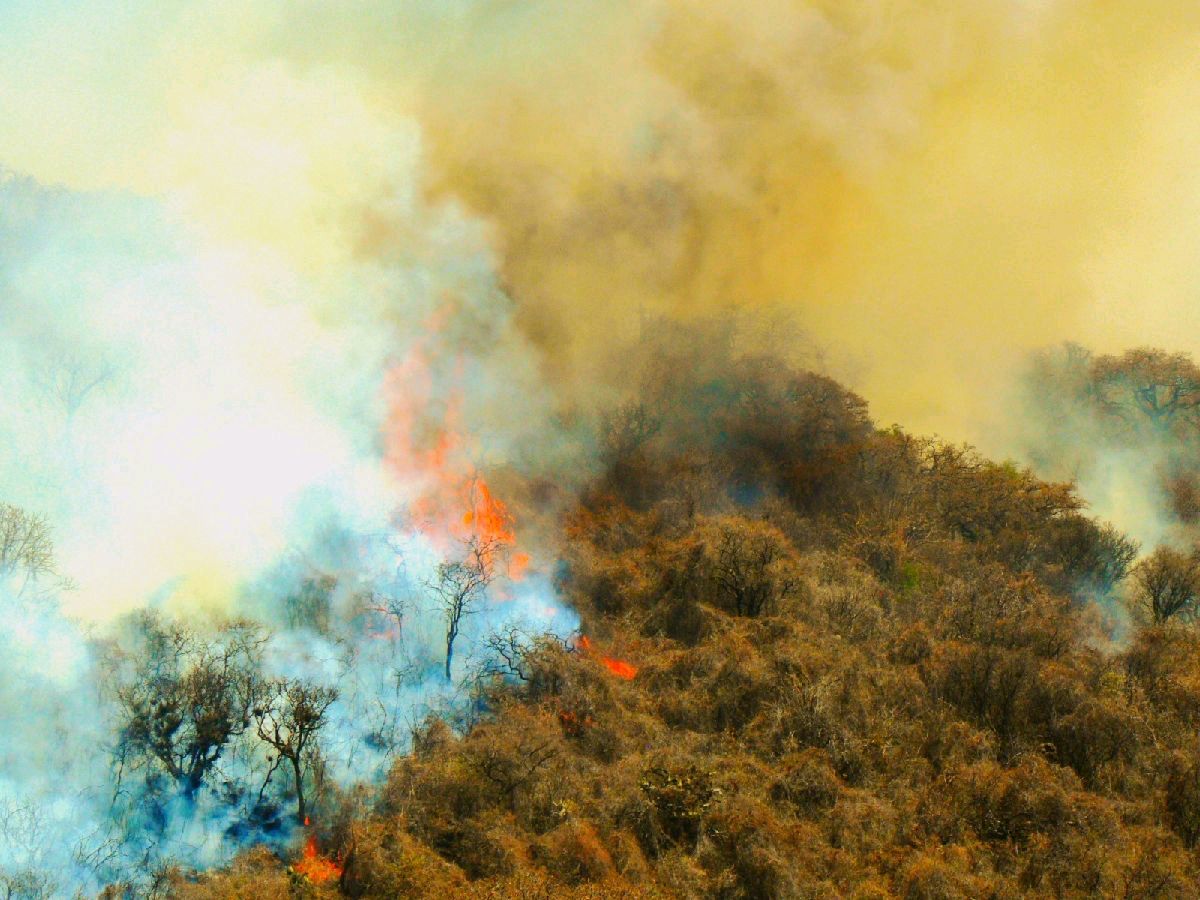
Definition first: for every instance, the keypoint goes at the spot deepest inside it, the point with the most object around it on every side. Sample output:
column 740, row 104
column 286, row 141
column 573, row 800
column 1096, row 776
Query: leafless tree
column 1167, row 586
column 26, row 837
column 747, row 567
column 392, row 608
column 70, row 378
column 459, row 586
column 513, row 766
column 186, row 696
column 508, row 648
column 311, row 605
column 1147, row 385
column 625, row 430
column 26, row 546
column 289, row 716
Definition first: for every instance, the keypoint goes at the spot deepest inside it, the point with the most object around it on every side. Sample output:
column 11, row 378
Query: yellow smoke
column 927, row 187
column 930, row 187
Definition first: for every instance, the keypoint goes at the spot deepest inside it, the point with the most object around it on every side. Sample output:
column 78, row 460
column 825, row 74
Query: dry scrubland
column 867, row 665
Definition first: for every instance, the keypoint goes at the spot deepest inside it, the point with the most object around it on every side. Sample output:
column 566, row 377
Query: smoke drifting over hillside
column 929, row 188
column 281, row 283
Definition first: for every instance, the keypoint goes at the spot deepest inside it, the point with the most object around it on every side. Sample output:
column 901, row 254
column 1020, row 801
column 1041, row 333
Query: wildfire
column 426, row 444
column 618, row 667
column 316, row 868
column 489, row 520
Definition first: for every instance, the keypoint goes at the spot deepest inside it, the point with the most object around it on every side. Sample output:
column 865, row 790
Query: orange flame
column 425, row 444
column 316, row 868
column 618, row 667
column 489, row 520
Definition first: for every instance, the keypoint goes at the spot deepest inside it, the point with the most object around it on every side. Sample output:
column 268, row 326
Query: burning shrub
column 255, row 873
column 317, row 867
column 912, row 706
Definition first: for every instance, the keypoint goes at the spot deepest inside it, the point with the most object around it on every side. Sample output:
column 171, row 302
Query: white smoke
column 196, row 397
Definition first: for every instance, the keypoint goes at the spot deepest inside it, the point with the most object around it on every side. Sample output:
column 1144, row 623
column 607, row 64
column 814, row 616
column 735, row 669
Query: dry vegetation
column 867, row 665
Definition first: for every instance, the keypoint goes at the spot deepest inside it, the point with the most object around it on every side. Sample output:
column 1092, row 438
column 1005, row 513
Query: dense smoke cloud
column 1123, row 427
column 188, row 372
column 970, row 180
column 274, row 275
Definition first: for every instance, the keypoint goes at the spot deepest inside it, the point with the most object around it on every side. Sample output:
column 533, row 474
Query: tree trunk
column 452, row 620
column 301, row 812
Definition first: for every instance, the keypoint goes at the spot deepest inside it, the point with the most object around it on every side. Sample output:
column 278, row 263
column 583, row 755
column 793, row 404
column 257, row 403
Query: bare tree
column 509, row 647
column 627, row 429
column 1147, row 385
column 391, row 608
column 460, row 585
column 513, row 762
column 25, row 836
column 186, row 696
column 70, row 378
column 748, row 564
column 311, row 605
column 26, row 547
column 289, row 716
column 1167, row 586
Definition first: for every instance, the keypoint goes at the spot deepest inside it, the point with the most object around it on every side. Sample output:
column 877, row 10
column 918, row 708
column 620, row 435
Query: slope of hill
column 821, row 660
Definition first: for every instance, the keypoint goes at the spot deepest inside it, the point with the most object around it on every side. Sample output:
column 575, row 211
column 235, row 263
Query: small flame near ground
column 312, row 865
column 618, row 667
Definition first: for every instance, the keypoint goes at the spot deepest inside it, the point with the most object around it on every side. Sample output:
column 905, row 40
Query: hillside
column 821, row 660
